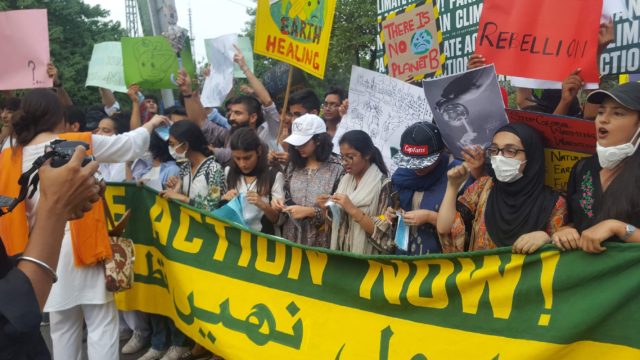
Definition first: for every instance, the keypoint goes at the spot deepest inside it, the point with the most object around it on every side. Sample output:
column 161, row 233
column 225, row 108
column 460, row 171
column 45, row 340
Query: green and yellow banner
column 246, row 295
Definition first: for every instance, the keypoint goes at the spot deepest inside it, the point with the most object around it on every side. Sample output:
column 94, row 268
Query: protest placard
column 25, row 49
column 459, row 27
column 295, row 32
column 105, row 67
column 467, row 107
column 247, row 295
column 524, row 38
column 383, row 107
column 559, row 132
column 217, row 85
column 412, row 43
column 152, row 63
column 558, row 165
column 244, row 44
column 566, row 141
column 623, row 55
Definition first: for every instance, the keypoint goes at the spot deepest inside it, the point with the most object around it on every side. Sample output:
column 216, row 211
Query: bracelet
column 42, row 265
column 187, row 96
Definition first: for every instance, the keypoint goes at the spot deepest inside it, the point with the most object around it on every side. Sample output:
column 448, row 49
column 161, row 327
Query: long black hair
column 362, row 143
column 621, row 200
column 158, row 148
column 40, row 111
column 324, row 147
column 187, row 132
column 246, row 139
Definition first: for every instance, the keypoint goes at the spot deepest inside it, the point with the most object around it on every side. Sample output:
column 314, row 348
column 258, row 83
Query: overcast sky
column 211, row 18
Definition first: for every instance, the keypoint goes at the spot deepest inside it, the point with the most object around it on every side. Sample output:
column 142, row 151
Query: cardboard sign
column 412, row 43
column 558, row 165
column 546, row 39
column 623, row 55
column 459, row 27
column 467, row 107
column 152, row 63
column 105, row 67
column 559, row 132
column 25, row 50
column 296, row 32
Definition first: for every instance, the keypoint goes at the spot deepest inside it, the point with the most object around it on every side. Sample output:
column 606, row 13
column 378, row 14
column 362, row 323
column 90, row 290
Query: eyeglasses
column 330, row 105
column 507, row 151
column 347, row 158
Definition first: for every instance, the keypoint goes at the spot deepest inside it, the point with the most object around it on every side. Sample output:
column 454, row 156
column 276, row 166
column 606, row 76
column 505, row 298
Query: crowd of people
column 302, row 183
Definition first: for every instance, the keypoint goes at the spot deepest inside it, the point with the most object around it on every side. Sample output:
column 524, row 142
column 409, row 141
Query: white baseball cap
column 303, row 129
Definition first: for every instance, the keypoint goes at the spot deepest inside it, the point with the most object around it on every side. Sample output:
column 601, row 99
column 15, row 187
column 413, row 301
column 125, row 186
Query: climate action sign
column 623, row 55
column 245, row 295
column 458, row 23
column 412, row 43
column 296, row 32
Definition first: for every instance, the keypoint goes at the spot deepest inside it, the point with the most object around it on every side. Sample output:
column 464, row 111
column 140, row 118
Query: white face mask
column 610, row 157
column 174, row 154
column 507, row 170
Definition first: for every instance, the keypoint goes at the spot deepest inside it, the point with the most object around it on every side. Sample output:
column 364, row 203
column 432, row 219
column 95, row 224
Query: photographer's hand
column 81, row 189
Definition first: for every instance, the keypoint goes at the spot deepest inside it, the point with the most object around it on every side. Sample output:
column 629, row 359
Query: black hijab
column 525, row 205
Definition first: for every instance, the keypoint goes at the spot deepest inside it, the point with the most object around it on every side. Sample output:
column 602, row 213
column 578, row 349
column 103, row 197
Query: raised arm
column 64, row 97
column 447, row 213
column 259, row 90
column 135, row 120
column 195, row 110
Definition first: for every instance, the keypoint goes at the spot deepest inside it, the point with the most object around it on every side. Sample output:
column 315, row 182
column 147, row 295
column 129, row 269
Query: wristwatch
column 628, row 231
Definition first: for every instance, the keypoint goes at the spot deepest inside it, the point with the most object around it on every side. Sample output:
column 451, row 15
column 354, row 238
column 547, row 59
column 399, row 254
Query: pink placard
column 24, row 46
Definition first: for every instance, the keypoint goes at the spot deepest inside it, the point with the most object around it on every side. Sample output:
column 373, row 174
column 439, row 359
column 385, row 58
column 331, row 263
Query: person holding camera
column 80, row 294
column 26, row 284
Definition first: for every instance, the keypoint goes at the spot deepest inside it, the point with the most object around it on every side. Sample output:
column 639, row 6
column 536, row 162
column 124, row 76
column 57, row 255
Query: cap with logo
column 303, row 129
column 420, row 146
column 626, row 94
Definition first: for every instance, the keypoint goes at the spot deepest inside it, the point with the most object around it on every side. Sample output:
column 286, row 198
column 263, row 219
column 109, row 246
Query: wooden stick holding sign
column 285, row 104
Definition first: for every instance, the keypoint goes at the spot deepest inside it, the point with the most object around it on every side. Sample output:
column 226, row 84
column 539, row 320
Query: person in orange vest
column 80, row 294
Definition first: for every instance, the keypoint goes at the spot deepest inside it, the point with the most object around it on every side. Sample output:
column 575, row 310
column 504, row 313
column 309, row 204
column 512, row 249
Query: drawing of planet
column 421, row 42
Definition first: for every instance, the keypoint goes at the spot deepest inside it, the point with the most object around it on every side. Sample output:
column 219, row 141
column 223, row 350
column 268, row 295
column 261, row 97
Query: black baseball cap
column 626, row 94
column 420, row 146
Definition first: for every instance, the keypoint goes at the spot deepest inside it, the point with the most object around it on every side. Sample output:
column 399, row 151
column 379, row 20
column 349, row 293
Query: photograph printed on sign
column 467, row 107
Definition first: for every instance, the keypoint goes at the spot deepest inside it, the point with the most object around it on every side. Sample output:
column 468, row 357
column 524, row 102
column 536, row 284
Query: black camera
column 62, row 151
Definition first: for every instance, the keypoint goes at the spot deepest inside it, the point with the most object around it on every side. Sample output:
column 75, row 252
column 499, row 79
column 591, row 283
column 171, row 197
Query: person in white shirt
column 250, row 174
column 79, row 296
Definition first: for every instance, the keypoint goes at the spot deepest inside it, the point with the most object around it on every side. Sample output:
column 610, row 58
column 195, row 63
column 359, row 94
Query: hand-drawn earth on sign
column 303, row 16
column 155, row 61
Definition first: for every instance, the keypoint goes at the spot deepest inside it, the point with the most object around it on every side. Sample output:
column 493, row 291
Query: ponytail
column 362, row 143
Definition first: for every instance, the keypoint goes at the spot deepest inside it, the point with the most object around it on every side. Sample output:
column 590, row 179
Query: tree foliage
column 74, row 27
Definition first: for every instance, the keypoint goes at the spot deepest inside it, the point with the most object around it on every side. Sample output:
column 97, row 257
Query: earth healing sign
column 545, row 39
column 246, row 295
column 296, row 32
column 413, row 42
